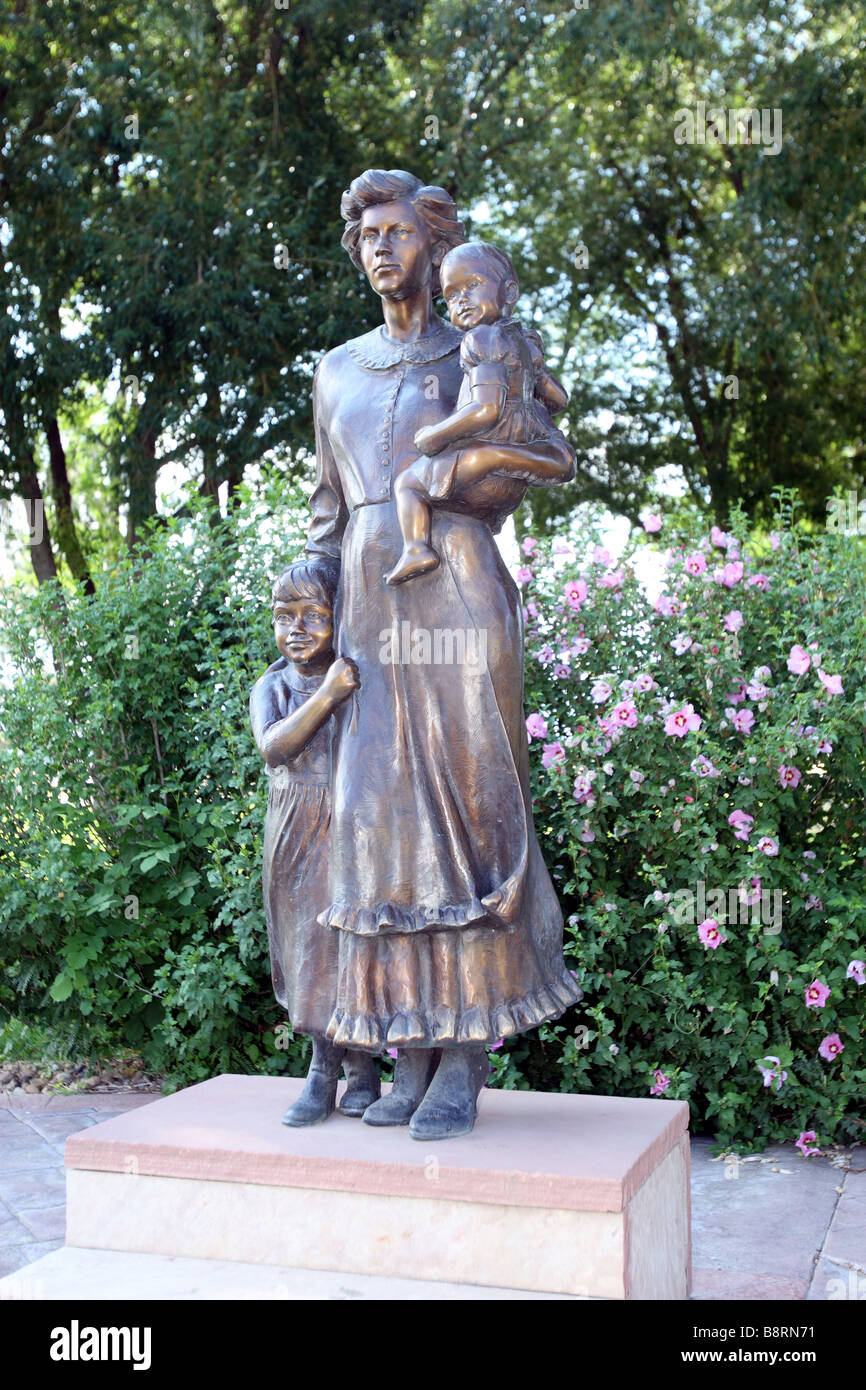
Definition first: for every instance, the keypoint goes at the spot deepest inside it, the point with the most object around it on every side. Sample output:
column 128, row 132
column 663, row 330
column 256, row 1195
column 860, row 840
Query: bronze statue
column 291, row 709
column 447, row 930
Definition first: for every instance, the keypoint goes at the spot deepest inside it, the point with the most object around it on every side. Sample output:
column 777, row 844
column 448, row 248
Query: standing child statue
column 291, row 709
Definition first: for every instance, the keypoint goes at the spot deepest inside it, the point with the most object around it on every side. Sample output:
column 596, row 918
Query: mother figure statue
column 450, row 933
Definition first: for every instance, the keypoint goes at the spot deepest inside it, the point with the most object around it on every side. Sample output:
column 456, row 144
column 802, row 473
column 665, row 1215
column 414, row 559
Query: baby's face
column 472, row 292
column 303, row 631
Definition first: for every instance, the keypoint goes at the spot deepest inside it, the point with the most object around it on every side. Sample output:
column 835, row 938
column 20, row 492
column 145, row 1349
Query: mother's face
column 396, row 250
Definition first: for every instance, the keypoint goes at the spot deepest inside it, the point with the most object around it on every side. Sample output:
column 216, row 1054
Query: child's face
column 473, row 293
column 303, row 631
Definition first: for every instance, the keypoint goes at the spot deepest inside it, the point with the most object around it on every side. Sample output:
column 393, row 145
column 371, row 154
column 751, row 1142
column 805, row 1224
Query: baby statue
column 507, row 396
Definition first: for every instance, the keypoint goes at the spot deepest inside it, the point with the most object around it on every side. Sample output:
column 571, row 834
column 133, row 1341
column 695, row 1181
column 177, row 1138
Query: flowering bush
column 699, row 779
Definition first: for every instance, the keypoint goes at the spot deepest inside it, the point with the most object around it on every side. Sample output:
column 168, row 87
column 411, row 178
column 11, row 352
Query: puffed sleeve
column 484, row 354
column 327, row 504
column 536, row 348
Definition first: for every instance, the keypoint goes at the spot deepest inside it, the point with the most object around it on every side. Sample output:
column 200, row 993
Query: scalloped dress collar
column 376, row 351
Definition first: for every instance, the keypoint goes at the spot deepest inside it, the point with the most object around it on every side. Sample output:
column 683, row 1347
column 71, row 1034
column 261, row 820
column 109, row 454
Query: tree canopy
column 170, row 177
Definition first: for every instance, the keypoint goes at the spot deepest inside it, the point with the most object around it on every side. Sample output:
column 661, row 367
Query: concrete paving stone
column 56, row 1129
column 19, row 1155
column 45, row 1223
column 724, row 1285
column 27, row 1191
column 82, row 1100
column 99, row 1274
column 12, row 1230
column 746, row 1218
column 846, row 1240
column 835, row 1283
column 15, row 1257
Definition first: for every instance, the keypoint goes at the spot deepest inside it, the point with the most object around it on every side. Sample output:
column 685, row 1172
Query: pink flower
column 666, row 605
column 546, row 655
column 552, row 755
column 767, row 845
column 741, row 822
column 743, row 721
column 575, row 593
column 718, row 537
column 561, row 672
column 529, row 545
column 644, row 682
column 587, row 834
column 703, row 767
column 799, row 660
column 774, row 1073
column 831, row 1046
column 824, row 746
column 790, row 776
column 625, row 713
column 494, row 1047
column 601, row 556
column 832, row 684
column 392, row 1052
column 730, row 575
column 750, row 893
column 524, row 575
column 817, row 995
column 682, row 721
column 613, row 580
column 807, row 1137
column 734, row 620
column 562, row 547
column 681, row 643
column 709, row 933
column 857, row 971
column 760, row 581
column 775, row 540
column 583, row 786
column 737, row 696
column 661, row 1083
column 651, row 523
column 536, row 726
column 695, row 563
column 601, row 692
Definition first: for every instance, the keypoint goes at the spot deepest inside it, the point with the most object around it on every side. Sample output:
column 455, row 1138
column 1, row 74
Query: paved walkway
column 775, row 1226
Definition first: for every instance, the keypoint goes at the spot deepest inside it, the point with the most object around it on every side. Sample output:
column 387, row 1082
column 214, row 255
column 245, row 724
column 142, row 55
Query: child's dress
column 504, row 354
column 294, row 859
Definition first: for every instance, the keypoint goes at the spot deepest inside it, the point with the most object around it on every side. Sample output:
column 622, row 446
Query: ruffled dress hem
column 443, row 1027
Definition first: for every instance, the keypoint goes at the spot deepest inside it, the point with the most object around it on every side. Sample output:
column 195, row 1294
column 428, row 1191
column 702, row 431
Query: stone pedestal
column 586, row 1196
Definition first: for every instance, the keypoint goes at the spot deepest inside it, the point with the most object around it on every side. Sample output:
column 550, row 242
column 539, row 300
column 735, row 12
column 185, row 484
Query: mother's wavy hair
column 436, row 208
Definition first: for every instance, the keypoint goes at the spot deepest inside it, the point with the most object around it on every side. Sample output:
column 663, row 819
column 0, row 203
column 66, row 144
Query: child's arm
column 551, row 392
column 280, row 740
column 482, row 412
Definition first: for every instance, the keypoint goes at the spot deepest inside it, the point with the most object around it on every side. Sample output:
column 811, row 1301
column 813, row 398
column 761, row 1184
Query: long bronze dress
column 449, row 928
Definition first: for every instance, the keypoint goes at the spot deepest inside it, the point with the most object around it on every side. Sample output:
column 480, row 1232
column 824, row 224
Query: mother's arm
column 327, row 504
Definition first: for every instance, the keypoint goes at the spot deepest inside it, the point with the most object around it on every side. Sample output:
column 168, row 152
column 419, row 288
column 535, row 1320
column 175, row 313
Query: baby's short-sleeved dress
column 504, row 354
column 294, row 859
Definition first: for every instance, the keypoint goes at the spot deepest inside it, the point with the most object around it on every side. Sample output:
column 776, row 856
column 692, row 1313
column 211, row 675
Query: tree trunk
column 41, row 551
column 67, row 535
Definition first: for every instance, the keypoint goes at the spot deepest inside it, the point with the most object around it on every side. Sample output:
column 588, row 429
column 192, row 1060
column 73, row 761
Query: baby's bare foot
column 417, row 558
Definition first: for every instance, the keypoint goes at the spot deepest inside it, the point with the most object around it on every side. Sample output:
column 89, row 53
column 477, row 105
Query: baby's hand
column 341, row 680
column 425, row 440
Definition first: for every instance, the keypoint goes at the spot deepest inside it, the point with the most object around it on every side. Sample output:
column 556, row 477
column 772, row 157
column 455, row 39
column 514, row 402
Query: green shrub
column 634, row 819
column 132, row 799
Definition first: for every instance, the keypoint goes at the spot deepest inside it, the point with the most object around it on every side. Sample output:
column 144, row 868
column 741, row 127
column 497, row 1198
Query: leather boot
column 318, row 1099
column 448, row 1108
column 362, row 1074
column 412, row 1072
